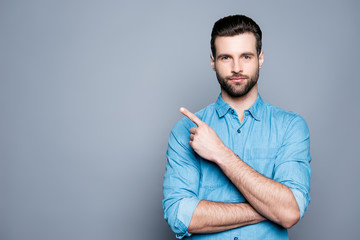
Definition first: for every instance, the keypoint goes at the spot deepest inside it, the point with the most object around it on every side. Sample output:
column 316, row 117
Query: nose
column 237, row 66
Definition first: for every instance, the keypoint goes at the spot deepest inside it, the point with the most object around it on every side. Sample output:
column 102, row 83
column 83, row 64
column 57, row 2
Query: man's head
column 235, row 25
column 236, row 55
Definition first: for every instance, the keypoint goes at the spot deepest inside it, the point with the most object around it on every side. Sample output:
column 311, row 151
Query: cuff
column 301, row 201
column 186, row 209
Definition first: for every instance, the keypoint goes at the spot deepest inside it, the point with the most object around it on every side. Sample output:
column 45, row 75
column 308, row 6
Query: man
column 239, row 168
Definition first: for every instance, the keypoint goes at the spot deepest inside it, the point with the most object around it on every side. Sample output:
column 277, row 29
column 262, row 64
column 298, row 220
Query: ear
column 212, row 62
column 261, row 59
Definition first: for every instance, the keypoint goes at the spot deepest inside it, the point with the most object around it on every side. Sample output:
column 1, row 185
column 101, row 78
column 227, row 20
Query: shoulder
column 283, row 117
column 289, row 123
column 181, row 131
column 184, row 124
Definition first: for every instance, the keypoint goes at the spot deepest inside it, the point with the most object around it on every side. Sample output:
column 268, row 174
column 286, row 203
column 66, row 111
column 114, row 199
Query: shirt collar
column 255, row 110
column 221, row 106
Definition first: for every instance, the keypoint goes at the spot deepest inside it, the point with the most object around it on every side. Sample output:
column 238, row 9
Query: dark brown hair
column 235, row 25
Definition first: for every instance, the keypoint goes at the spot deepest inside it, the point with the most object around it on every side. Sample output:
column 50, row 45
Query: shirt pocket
column 211, row 175
column 215, row 186
column 261, row 159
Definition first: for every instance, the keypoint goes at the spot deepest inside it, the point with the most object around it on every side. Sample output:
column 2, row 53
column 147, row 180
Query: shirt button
column 232, row 111
column 235, row 238
column 239, row 131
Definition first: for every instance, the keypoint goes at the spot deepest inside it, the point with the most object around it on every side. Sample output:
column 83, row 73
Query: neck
column 241, row 103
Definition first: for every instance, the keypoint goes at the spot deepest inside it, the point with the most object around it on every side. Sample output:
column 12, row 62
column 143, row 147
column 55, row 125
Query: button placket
column 234, row 115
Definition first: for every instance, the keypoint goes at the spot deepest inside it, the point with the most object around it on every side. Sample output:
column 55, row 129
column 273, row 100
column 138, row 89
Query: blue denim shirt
column 272, row 141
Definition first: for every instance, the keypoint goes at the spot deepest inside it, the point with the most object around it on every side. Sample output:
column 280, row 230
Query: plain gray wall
column 89, row 91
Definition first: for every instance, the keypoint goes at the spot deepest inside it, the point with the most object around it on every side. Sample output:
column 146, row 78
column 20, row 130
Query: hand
column 203, row 139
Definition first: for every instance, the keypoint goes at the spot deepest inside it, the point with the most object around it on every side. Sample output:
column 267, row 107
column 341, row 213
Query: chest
column 255, row 142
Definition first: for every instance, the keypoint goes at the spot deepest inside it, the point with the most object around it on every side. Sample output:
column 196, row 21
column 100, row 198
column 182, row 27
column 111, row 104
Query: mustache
column 237, row 76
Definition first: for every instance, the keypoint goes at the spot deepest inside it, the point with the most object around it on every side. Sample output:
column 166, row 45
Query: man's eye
column 225, row 58
column 246, row 57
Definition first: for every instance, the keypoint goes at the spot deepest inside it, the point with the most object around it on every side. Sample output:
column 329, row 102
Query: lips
column 238, row 79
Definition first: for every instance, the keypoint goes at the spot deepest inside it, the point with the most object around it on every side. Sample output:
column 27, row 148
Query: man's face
column 237, row 64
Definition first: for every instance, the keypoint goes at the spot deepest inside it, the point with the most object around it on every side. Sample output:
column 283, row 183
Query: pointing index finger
column 191, row 116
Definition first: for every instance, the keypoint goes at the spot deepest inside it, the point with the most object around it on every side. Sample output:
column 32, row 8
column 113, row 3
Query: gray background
column 89, row 91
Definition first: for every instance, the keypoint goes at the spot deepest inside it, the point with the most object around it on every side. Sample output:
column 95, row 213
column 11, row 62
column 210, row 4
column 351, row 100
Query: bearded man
column 239, row 168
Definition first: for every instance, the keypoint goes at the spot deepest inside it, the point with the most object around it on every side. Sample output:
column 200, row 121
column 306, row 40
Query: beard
column 236, row 90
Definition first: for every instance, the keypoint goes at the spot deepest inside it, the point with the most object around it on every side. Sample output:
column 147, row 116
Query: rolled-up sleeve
column 181, row 180
column 292, row 165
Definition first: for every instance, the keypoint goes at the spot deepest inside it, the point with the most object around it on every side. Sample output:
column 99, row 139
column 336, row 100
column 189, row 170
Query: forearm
column 211, row 217
column 271, row 199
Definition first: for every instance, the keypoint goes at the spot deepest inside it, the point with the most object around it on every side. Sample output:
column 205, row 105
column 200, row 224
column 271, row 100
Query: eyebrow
column 229, row 55
column 223, row 55
column 248, row 53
